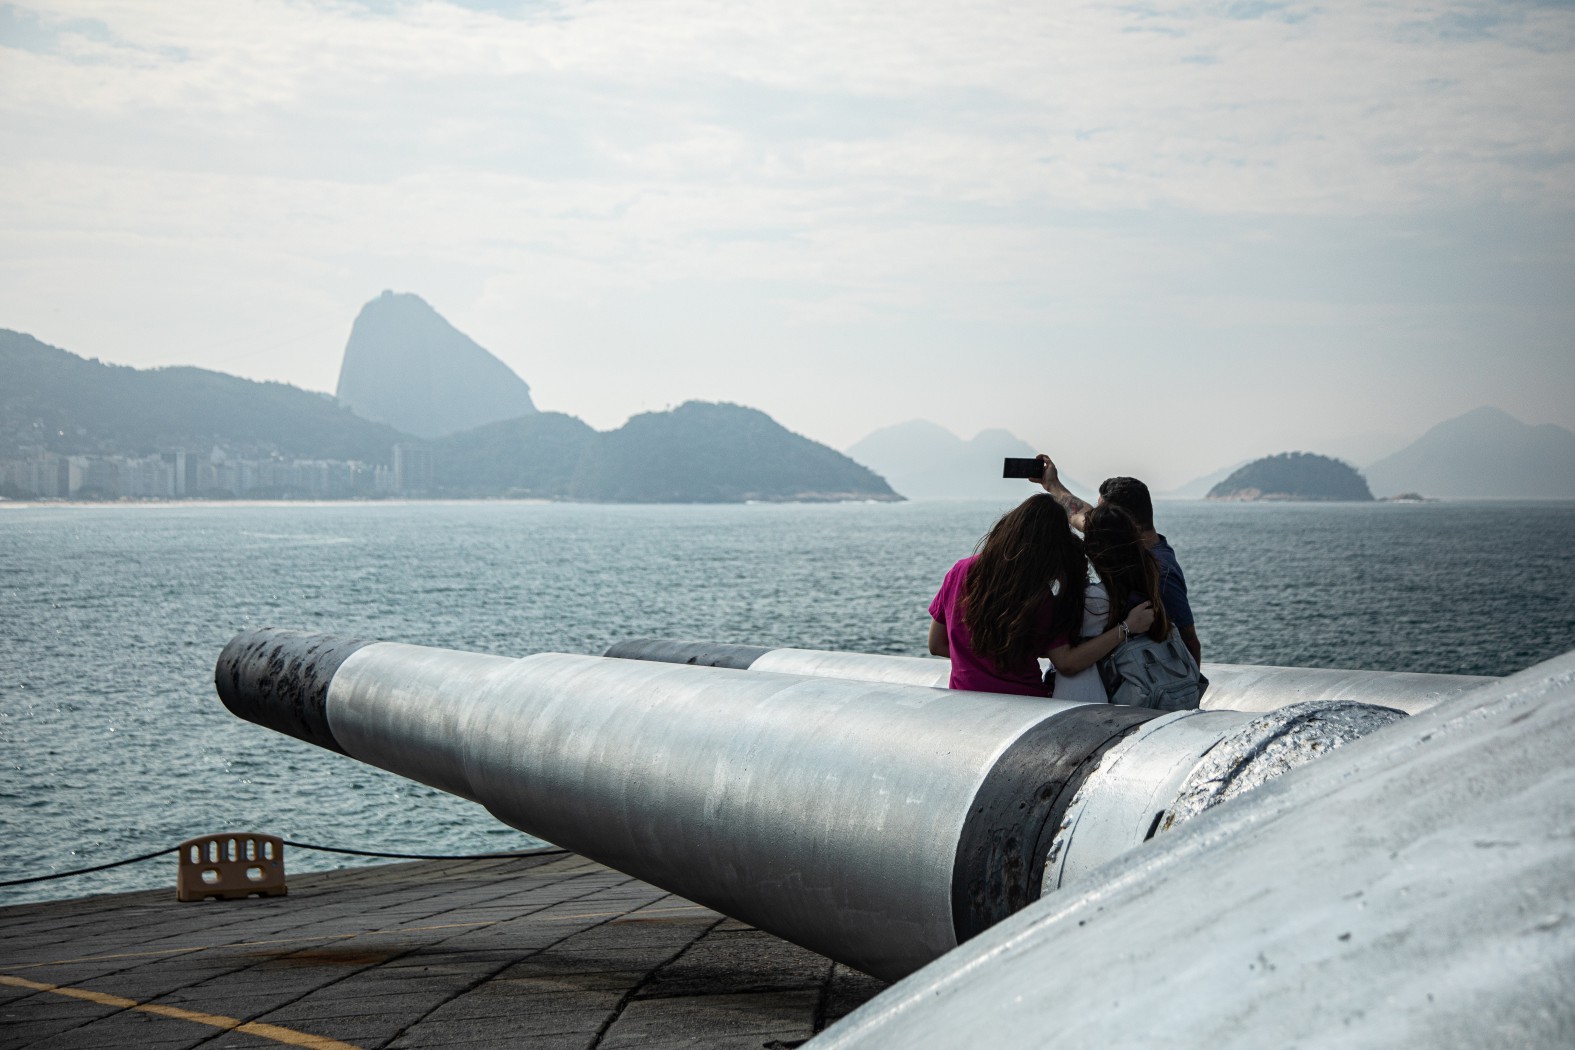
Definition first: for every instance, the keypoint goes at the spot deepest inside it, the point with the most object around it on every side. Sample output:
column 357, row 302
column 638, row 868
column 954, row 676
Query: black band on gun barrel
column 1000, row 860
column 700, row 654
column 279, row 679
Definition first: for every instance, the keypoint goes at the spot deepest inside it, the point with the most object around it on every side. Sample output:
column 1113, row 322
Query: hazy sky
column 1150, row 238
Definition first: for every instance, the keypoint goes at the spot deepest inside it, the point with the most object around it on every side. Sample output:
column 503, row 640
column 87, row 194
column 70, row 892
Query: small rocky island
column 1294, row 476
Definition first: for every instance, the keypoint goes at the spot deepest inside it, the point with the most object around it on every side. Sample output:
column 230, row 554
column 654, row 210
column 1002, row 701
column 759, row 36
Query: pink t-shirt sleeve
column 943, row 597
column 949, row 598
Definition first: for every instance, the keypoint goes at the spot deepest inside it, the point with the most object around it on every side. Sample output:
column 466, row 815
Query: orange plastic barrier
column 229, row 866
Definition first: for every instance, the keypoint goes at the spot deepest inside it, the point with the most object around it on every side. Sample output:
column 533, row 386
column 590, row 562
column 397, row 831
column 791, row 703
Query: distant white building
column 179, row 474
column 412, row 469
column 41, row 474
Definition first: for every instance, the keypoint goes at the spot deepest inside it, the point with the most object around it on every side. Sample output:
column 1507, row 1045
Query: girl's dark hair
column 1115, row 546
column 1027, row 551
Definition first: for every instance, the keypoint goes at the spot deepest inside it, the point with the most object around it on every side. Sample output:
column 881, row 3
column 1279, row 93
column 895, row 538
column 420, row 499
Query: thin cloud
column 837, row 171
column 1298, row 108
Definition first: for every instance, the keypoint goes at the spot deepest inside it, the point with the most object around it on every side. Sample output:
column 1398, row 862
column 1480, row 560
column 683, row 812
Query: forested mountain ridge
column 699, row 452
column 53, row 399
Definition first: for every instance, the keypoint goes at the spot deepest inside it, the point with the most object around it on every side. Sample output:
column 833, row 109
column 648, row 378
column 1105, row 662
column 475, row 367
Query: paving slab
column 702, row 1020
column 723, row 959
column 547, row 951
column 565, row 1041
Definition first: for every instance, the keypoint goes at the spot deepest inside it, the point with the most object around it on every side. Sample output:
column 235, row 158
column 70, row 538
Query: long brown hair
column 1115, row 546
column 1026, row 552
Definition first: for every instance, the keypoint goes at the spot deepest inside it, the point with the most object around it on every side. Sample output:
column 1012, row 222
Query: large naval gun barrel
column 878, row 824
column 1232, row 687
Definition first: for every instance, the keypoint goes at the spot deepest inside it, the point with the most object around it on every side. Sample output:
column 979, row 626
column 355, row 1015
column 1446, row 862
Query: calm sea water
column 111, row 618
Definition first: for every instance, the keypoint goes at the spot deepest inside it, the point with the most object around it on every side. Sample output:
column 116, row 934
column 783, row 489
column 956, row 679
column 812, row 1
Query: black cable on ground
column 84, row 871
column 296, row 845
column 426, row 856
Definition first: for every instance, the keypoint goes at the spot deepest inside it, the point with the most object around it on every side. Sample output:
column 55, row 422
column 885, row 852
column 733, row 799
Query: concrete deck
column 546, row 951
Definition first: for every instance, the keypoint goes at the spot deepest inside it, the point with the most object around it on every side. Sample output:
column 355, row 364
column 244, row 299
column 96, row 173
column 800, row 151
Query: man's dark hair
column 1131, row 495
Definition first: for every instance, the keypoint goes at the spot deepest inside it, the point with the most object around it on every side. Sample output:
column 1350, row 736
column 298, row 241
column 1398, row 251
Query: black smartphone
column 1022, row 468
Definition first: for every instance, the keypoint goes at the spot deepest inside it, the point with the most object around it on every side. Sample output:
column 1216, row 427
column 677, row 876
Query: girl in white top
column 1086, row 685
column 1115, row 550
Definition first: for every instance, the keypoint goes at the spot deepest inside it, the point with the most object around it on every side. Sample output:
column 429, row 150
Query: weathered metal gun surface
column 880, row 824
column 1414, row 889
column 1232, row 687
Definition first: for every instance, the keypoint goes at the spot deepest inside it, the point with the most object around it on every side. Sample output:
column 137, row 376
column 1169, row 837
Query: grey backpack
column 1144, row 673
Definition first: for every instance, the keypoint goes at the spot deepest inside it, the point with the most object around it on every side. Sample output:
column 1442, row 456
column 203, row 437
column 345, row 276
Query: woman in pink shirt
column 1019, row 598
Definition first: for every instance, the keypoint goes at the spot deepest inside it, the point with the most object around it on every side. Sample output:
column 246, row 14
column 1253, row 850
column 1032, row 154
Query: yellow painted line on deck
column 102, row 958
column 287, row 1036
